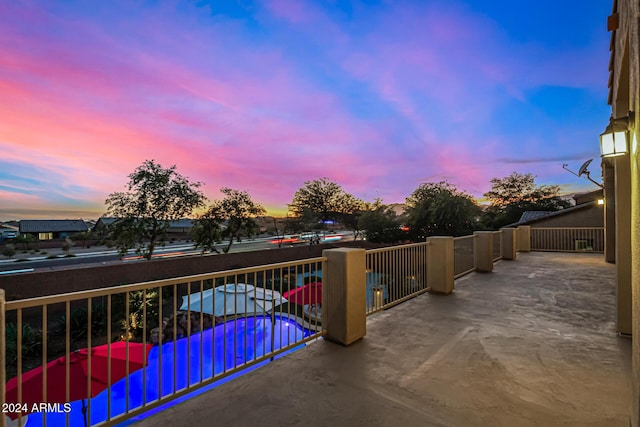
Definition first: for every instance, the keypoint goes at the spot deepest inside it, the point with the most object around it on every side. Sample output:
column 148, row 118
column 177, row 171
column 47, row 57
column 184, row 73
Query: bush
column 67, row 245
column 9, row 250
column 78, row 318
column 31, row 342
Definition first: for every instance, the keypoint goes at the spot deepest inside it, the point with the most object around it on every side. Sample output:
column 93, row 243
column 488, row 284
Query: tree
column 155, row 196
column 282, row 225
column 440, row 209
column 516, row 193
column 380, row 224
column 237, row 211
column 206, row 232
column 320, row 200
column 9, row 250
column 67, row 245
column 350, row 209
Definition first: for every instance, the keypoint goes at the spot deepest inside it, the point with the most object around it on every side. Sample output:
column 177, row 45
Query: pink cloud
column 91, row 101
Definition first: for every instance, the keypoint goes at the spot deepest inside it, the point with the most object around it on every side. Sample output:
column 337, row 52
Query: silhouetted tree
column 512, row 195
column 322, row 200
column 155, row 196
column 380, row 224
column 235, row 216
column 440, row 209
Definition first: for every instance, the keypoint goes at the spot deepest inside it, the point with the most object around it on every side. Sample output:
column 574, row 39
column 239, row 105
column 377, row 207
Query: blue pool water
column 234, row 342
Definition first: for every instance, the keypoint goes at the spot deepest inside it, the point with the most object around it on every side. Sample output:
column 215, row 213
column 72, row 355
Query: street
column 83, row 257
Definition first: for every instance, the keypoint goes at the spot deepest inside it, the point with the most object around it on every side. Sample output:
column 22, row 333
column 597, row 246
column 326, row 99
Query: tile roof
column 52, row 225
column 180, row 223
column 529, row 215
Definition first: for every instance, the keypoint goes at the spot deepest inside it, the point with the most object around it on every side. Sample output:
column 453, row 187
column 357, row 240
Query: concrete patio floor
column 531, row 344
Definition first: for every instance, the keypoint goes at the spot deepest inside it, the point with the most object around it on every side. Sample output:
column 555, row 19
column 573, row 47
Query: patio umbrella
column 309, row 294
column 233, row 299
column 78, row 374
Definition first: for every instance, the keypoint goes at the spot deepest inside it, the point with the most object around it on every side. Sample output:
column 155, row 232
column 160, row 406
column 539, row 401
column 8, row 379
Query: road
column 86, row 257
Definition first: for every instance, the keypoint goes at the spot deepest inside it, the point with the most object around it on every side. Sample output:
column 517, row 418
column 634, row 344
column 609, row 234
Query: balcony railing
column 186, row 333
column 463, row 262
column 586, row 239
column 497, row 245
column 395, row 274
column 116, row 352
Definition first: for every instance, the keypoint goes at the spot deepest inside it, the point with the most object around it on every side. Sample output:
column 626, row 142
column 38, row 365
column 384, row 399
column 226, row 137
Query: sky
column 379, row 96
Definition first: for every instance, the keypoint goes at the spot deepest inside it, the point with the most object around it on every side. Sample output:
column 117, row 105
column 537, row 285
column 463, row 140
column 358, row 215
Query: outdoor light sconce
column 378, row 297
column 614, row 139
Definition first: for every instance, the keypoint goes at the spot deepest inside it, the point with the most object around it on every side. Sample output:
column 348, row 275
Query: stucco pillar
column 440, row 270
column 523, row 238
column 623, row 244
column 483, row 251
column 509, row 244
column 344, row 303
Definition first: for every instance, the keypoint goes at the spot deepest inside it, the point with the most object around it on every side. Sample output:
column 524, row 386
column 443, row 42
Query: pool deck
column 531, row 344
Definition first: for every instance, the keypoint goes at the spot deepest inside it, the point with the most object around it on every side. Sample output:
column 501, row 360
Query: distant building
column 8, row 232
column 588, row 212
column 48, row 229
column 178, row 226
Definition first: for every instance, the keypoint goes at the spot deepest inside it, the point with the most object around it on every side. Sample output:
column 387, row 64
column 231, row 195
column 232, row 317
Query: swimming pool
column 227, row 347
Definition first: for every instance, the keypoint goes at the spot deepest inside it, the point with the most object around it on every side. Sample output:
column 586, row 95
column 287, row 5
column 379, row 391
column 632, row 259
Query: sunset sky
column 379, row 96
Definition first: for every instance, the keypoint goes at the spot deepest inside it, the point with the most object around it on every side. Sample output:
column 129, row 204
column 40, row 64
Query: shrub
column 31, row 342
column 67, row 245
column 9, row 250
column 78, row 318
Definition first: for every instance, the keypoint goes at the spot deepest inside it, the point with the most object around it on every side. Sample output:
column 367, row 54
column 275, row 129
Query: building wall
column 635, row 203
column 626, row 98
column 587, row 217
column 588, row 197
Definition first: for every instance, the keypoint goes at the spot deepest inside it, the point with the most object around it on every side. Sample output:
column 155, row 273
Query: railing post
column 344, row 301
column 440, row 266
column 524, row 238
column 3, row 374
column 509, row 245
column 483, row 251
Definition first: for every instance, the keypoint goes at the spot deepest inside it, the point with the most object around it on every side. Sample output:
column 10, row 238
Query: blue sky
column 379, row 96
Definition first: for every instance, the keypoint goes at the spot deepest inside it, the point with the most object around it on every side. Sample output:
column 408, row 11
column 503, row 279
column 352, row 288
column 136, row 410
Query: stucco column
column 483, row 251
column 440, row 270
column 508, row 243
column 623, row 244
column 524, row 238
column 344, row 306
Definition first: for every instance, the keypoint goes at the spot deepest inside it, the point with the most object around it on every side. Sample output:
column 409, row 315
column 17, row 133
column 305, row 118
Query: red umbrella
column 309, row 294
column 78, row 374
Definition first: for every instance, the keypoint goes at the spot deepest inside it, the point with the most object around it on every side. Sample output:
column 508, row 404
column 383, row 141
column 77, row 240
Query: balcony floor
column 531, row 344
